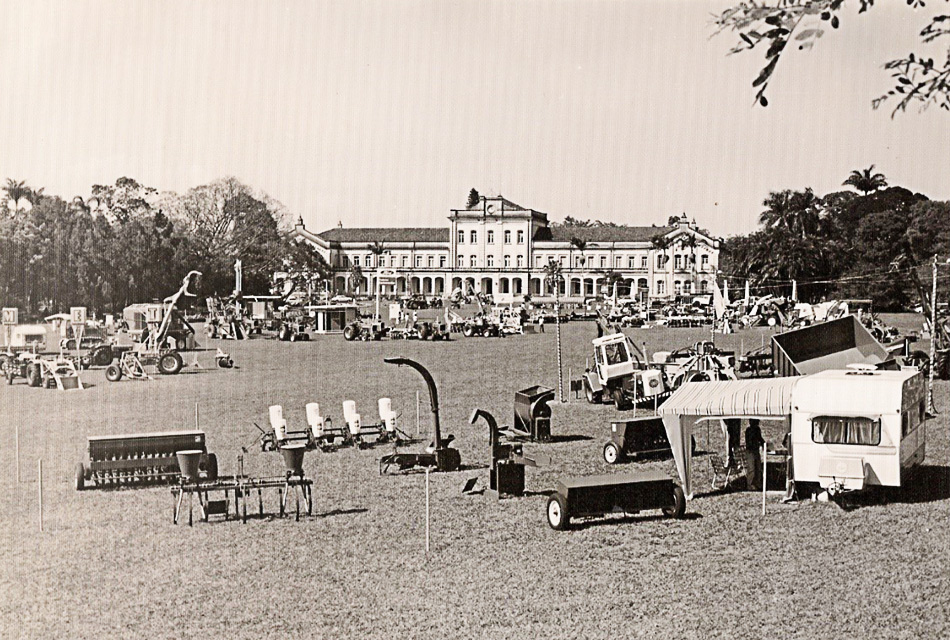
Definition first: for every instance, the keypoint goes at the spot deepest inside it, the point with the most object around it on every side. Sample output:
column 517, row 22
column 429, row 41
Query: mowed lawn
column 112, row 564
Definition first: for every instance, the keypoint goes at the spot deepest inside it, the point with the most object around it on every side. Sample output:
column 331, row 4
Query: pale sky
column 387, row 113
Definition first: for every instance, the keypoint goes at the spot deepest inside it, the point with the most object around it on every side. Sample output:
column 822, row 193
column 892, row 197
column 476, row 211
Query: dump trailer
column 827, row 345
column 142, row 458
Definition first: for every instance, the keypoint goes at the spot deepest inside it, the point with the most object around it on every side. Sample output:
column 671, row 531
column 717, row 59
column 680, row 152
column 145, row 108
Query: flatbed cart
column 627, row 493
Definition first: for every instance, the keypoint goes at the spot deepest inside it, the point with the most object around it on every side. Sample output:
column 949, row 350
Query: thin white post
column 196, row 416
column 765, row 462
column 39, row 472
column 417, row 413
column 17, row 447
column 570, row 376
column 933, row 341
column 427, row 511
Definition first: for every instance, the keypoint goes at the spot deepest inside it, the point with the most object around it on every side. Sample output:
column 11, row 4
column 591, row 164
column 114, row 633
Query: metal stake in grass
column 427, row 511
column 39, row 473
column 17, row 447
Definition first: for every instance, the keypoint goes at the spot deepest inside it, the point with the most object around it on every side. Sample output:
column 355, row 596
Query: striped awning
column 762, row 397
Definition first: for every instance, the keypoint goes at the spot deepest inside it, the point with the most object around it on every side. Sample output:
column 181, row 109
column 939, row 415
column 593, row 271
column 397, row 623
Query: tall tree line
column 842, row 244
column 128, row 243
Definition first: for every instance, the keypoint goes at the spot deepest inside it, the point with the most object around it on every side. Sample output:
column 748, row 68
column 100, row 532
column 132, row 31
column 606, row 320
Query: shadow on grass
column 340, row 512
column 928, row 483
column 569, row 438
column 629, row 519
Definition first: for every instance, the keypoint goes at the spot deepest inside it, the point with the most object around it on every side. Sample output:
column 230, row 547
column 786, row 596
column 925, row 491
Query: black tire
column 556, row 512
column 80, row 481
column 593, row 397
column 211, row 467
column 170, row 363
column 305, row 337
column 620, row 401
column 33, row 375
column 294, row 337
column 283, row 334
column 678, row 509
column 468, row 331
column 102, row 356
column 225, row 363
column 114, row 373
column 612, row 453
column 424, row 331
column 351, row 332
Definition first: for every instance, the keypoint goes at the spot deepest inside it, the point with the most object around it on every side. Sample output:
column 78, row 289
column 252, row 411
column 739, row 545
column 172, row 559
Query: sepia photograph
column 450, row 319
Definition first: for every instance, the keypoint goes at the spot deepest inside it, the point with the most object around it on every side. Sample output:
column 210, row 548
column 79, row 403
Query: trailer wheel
column 557, row 513
column 170, row 363
column 114, row 373
column 620, row 401
column 225, row 363
column 611, row 453
column 80, row 477
column 679, row 504
column 350, row 332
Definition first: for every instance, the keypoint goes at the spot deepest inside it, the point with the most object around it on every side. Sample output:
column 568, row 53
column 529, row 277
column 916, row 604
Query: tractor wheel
column 678, row 509
column 351, row 332
column 102, row 356
column 34, row 376
column 468, row 331
column 294, row 336
column 620, row 401
column 697, row 376
column 170, row 363
column 611, row 453
column 593, row 397
column 225, row 363
column 557, row 513
column 80, row 477
column 114, row 373
column 305, row 337
column 424, row 331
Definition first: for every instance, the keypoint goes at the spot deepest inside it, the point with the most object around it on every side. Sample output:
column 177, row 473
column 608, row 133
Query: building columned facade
column 499, row 248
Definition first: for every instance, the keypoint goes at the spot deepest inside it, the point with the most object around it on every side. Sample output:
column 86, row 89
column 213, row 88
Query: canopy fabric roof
column 769, row 397
column 753, row 397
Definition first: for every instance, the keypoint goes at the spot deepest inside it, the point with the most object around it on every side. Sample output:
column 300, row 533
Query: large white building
column 499, row 248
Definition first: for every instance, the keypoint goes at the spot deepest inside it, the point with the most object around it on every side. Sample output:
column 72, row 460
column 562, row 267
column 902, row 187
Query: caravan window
column 846, row 430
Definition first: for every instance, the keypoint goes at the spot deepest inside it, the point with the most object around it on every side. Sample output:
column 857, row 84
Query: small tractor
column 153, row 348
column 620, row 372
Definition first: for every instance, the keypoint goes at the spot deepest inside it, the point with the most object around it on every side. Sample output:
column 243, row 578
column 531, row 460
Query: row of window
column 489, row 236
column 539, row 261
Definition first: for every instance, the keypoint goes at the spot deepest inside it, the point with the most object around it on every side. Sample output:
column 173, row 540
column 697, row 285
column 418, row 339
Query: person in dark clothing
column 733, row 433
column 753, row 446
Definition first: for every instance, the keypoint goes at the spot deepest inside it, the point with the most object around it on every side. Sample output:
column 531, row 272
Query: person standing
column 753, row 446
column 733, row 433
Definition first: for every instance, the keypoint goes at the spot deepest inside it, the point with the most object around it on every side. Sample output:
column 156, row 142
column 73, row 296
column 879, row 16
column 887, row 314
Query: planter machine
column 321, row 434
column 438, row 455
column 47, row 372
column 142, row 458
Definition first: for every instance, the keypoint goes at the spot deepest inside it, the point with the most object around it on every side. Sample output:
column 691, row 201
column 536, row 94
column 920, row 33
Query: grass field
column 112, row 564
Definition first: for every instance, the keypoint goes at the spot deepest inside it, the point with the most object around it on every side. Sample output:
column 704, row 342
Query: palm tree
column 19, row 195
column 580, row 245
column 689, row 242
column 662, row 243
column 866, row 180
column 794, row 211
column 355, row 277
column 554, row 278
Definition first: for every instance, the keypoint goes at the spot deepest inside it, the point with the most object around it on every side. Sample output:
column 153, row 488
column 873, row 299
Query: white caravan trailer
column 858, row 427
column 849, row 428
